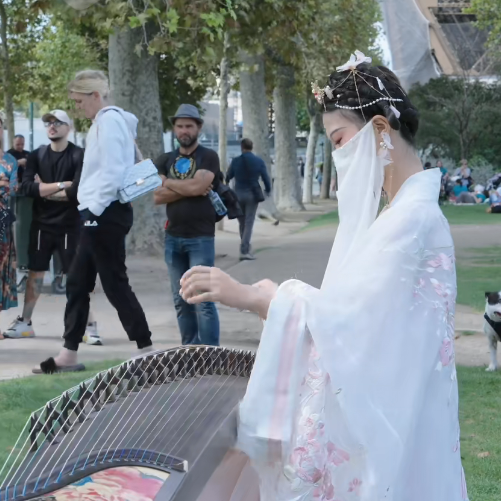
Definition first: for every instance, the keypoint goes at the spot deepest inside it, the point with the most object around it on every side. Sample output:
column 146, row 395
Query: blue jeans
column 199, row 324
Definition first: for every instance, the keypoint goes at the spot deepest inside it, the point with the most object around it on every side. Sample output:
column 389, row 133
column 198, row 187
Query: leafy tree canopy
column 460, row 118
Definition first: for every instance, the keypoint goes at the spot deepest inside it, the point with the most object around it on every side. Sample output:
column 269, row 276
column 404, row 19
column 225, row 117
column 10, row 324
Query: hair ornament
column 354, row 61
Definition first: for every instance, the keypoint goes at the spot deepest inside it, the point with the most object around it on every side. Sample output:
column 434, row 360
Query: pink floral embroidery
column 335, row 455
column 304, row 465
column 446, row 352
column 420, row 285
column 355, row 485
column 441, row 261
column 325, row 492
column 441, row 289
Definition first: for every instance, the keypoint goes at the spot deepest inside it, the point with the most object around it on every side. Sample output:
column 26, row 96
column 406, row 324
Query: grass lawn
column 456, row 214
column 469, row 214
column 20, row 397
column 480, row 401
column 478, row 271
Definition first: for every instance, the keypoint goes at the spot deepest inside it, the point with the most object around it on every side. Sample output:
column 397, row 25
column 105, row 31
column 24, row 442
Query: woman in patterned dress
column 8, row 185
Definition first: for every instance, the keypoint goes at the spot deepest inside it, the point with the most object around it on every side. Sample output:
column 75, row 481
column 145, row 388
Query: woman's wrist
column 257, row 301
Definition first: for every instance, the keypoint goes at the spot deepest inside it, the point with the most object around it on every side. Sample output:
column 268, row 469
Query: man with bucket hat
column 189, row 174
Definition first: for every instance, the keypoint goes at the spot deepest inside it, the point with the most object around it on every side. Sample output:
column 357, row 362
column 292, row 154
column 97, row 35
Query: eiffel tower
column 456, row 36
column 429, row 38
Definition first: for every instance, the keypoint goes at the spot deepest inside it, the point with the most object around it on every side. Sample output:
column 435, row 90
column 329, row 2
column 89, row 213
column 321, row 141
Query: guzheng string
column 117, row 412
column 198, row 425
column 164, row 405
column 76, row 420
column 160, row 410
column 179, row 416
column 55, row 402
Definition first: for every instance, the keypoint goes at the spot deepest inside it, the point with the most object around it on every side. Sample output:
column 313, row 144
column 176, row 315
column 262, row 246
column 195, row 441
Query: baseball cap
column 60, row 115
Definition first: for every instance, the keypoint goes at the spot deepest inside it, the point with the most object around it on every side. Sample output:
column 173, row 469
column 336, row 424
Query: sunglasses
column 56, row 124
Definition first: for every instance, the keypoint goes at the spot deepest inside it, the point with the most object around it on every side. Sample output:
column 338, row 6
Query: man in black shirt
column 189, row 174
column 51, row 178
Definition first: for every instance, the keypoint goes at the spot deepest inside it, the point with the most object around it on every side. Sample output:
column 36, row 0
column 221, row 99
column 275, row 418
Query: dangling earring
column 384, row 153
column 385, row 147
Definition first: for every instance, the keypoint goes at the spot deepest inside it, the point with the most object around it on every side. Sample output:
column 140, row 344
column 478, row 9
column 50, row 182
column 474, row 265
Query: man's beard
column 186, row 142
column 55, row 139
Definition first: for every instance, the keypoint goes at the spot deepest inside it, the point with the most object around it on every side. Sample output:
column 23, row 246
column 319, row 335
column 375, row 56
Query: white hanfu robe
column 354, row 395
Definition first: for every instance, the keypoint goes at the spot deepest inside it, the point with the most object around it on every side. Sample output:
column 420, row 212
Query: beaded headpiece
column 351, row 66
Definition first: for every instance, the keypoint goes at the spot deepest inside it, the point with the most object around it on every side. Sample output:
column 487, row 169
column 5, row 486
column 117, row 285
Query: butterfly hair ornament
column 351, row 67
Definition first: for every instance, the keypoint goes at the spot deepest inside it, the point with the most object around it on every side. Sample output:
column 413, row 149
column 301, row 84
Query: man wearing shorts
column 51, row 178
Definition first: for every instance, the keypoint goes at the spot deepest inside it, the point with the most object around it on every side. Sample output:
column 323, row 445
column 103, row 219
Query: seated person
column 495, row 202
column 479, row 194
column 463, row 196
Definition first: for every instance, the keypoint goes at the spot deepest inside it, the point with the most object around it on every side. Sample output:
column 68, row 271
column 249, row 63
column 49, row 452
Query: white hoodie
column 109, row 151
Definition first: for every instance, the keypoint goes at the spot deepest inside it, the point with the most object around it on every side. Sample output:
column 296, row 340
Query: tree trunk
column 6, row 77
column 255, row 117
column 287, row 175
column 224, row 89
column 326, row 181
column 315, row 127
column 134, row 84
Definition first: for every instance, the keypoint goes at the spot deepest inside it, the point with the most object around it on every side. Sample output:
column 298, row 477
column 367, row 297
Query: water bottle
column 217, row 203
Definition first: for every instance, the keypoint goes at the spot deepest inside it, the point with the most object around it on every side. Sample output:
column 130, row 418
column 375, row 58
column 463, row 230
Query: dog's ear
column 487, row 294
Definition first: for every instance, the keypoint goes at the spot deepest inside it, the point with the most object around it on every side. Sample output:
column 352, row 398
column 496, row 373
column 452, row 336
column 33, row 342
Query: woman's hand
column 202, row 284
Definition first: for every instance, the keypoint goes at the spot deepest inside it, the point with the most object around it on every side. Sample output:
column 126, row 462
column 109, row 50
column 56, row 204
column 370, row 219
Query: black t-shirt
column 19, row 155
column 191, row 216
column 54, row 167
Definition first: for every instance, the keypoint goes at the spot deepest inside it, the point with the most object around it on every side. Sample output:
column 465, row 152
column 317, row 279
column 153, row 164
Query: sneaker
column 247, row 257
column 19, row 329
column 91, row 336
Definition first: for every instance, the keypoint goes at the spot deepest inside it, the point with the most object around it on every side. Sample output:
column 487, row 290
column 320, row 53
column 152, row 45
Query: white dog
column 492, row 325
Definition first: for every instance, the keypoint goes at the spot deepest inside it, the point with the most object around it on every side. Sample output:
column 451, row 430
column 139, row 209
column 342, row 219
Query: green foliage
column 24, row 30
column 302, row 115
column 59, row 55
column 460, row 117
column 175, row 90
column 488, row 14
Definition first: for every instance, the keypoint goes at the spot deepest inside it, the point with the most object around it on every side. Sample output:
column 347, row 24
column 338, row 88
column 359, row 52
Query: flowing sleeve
column 383, row 329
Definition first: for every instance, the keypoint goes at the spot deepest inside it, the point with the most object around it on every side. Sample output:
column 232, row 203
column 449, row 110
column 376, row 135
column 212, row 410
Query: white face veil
column 360, row 181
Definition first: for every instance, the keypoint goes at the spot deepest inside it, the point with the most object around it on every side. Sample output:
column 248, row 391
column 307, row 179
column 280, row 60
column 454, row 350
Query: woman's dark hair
column 358, row 88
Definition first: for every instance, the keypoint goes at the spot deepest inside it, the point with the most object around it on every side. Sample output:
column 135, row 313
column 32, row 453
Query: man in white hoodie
column 105, row 221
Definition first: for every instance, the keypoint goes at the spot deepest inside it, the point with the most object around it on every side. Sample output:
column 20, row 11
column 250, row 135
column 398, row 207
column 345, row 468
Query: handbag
column 256, row 189
column 230, row 200
column 140, row 178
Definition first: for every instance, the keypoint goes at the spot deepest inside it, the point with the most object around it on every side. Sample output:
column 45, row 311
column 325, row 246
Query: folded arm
column 31, row 184
column 164, row 195
column 199, row 186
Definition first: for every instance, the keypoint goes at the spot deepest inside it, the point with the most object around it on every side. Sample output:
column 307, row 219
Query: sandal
column 49, row 367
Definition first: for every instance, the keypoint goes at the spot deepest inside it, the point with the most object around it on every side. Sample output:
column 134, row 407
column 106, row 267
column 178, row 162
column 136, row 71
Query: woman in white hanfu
column 353, row 395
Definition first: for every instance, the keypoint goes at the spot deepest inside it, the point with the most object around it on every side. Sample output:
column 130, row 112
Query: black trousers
column 101, row 250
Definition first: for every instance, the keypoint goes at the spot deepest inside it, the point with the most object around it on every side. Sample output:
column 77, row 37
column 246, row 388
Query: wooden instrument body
column 173, row 411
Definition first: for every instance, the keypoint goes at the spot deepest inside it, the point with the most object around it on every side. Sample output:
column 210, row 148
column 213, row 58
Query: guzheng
column 161, row 423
